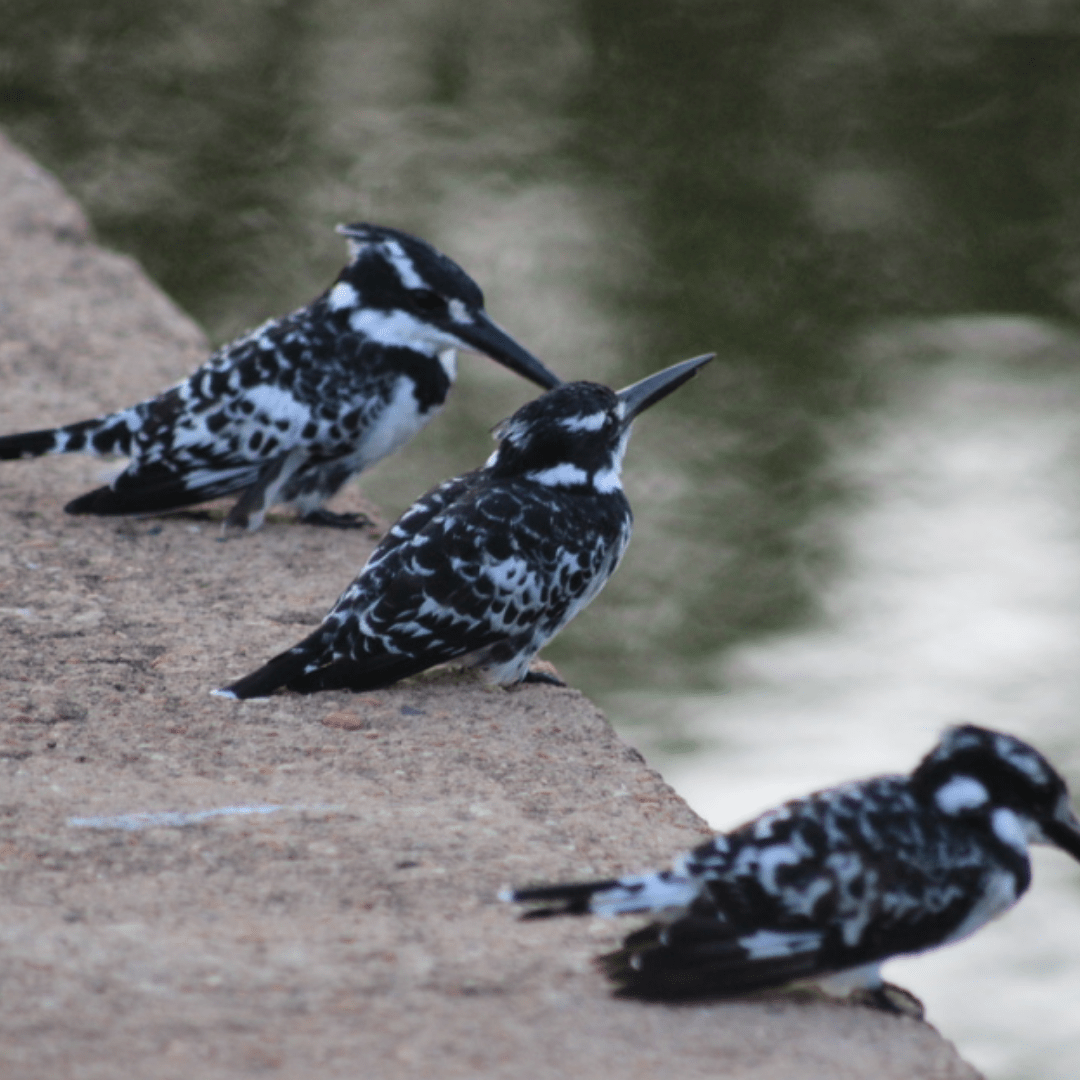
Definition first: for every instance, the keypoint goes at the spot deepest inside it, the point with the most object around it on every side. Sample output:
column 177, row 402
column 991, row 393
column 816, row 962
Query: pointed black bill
column 635, row 399
column 1065, row 835
column 484, row 336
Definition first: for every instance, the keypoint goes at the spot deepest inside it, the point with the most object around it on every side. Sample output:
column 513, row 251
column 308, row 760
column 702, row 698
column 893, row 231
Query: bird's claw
column 545, row 678
column 890, row 998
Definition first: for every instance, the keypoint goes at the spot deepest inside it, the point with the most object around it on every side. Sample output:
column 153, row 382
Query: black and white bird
column 290, row 411
column 827, row 887
column 489, row 566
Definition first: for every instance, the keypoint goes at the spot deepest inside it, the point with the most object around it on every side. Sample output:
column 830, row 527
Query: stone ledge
column 353, row 931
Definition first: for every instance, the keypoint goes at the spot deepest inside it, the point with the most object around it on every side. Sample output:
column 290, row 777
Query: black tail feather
column 29, row 444
column 105, row 435
column 569, row 899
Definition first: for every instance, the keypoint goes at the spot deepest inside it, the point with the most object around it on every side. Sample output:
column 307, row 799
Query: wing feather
column 697, row 957
column 154, row 488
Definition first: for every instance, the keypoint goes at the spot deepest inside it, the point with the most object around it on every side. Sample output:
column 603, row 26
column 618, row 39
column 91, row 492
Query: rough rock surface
column 354, row 930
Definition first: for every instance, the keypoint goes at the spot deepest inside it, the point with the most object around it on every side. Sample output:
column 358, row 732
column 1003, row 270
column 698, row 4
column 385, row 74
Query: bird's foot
column 194, row 515
column 889, row 998
column 545, row 678
column 332, row 520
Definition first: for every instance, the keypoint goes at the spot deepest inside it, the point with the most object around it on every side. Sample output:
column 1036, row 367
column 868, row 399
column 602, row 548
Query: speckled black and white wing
column 481, row 569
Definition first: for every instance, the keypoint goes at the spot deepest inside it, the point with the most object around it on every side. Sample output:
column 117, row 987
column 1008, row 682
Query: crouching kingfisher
column 489, row 566
column 827, row 887
column 290, row 411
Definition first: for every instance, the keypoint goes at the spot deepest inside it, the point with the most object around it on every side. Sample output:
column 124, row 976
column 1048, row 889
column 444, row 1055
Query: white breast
column 394, row 426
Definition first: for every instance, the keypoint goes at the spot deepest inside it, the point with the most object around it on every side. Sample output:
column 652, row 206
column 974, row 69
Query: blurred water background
column 860, row 524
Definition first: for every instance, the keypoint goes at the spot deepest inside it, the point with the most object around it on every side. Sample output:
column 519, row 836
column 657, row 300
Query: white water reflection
column 958, row 598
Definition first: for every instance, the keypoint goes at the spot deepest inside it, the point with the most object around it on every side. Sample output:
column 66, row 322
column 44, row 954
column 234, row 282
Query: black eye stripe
column 427, row 301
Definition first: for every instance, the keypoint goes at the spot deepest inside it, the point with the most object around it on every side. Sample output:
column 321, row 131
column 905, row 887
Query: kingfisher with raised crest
column 292, row 410
column 825, row 888
column 488, row 567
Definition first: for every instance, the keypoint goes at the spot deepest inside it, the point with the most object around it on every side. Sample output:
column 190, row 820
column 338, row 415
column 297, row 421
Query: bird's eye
column 427, row 301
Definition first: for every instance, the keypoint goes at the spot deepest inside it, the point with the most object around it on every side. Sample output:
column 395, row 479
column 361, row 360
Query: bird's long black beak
column 1064, row 834
column 484, row 336
column 635, row 399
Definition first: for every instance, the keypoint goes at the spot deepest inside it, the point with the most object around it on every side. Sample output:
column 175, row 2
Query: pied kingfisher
column 827, row 887
column 489, row 566
column 290, row 411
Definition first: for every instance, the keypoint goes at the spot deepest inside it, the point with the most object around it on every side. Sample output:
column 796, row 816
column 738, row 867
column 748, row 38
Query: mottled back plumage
column 828, row 886
column 290, row 411
column 491, row 565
